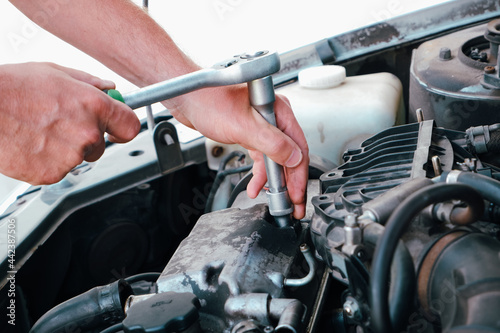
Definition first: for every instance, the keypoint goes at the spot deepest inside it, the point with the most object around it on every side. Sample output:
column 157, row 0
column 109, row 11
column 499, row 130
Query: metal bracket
column 167, row 147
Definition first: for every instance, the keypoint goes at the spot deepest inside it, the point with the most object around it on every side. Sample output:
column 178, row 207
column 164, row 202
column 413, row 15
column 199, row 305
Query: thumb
column 277, row 145
column 122, row 123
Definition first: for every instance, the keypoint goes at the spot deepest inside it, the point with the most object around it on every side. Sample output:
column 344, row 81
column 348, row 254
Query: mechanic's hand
column 52, row 118
column 225, row 115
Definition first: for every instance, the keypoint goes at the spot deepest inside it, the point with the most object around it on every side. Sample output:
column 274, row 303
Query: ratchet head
column 247, row 67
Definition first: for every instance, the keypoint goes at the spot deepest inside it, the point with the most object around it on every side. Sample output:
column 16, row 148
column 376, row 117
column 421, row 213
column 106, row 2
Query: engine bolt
column 268, row 329
column 217, row 151
column 489, row 69
column 352, row 309
column 445, row 53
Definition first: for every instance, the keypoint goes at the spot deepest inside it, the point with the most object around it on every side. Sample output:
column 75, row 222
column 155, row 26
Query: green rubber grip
column 115, row 94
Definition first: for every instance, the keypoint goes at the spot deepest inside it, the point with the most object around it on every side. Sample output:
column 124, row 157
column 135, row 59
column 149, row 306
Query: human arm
column 127, row 40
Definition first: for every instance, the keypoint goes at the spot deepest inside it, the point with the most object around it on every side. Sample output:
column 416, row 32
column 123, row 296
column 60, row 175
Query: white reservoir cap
column 322, row 77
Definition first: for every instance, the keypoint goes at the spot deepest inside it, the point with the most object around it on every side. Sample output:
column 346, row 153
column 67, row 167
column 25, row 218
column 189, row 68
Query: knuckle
column 94, row 102
column 90, row 136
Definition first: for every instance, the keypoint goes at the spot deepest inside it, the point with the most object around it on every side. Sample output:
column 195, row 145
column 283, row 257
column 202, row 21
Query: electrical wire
column 240, row 187
column 222, row 174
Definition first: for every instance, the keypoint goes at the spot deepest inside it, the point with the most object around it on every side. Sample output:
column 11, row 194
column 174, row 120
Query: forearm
column 124, row 38
column 116, row 32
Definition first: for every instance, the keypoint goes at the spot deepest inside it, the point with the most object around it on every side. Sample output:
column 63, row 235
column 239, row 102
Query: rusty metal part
column 455, row 212
column 217, row 151
column 435, row 20
column 462, row 216
column 489, row 69
column 459, row 282
column 450, row 91
column 428, row 264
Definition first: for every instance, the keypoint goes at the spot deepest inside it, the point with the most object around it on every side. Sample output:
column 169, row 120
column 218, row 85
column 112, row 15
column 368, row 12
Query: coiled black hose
column 395, row 227
column 98, row 307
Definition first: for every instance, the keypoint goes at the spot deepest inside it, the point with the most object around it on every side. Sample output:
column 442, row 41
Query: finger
column 95, row 152
column 115, row 140
column 296, row 184
column 297, row 176
column 259, row 177
column 282, row 99
column 271, row 141
column 297, row 188
column 86, row 77
column 299, row 211
column 286, row 122
column 121, row 122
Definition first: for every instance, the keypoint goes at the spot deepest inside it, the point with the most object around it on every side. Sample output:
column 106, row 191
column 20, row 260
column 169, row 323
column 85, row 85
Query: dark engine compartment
column 403, row 236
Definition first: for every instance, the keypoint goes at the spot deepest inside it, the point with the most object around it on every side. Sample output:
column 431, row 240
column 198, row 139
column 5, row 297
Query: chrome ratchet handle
column 253, row 69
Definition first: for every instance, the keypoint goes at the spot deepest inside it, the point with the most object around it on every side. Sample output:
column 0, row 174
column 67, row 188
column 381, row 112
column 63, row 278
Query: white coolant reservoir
column 338, row 112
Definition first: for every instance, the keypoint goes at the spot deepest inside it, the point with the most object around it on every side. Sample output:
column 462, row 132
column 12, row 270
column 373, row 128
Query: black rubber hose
column 494, row 144
column 219, row 179
column 488, row 187
column 403, row 278
column 97, row 308
column 113, row 329
column 395, row 227
column 221, row 175
column 240, row 187
column 149, row 277
column 382, row 206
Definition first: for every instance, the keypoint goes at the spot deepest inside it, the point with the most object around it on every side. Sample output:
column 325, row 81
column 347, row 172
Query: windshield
column 208, row 31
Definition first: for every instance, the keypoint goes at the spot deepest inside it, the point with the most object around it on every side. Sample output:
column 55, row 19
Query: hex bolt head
column 352, row 309
column 445, row 53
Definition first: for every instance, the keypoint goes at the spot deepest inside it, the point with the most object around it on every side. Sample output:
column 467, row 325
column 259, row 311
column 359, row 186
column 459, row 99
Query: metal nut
column 445, row 53
column 489, row 69
column 352, row 309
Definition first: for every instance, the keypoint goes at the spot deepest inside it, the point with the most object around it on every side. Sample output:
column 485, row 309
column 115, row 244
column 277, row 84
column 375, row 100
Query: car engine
column 402, row 236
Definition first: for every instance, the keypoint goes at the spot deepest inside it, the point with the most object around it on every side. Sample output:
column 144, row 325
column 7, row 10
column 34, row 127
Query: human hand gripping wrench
column 255, row 70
